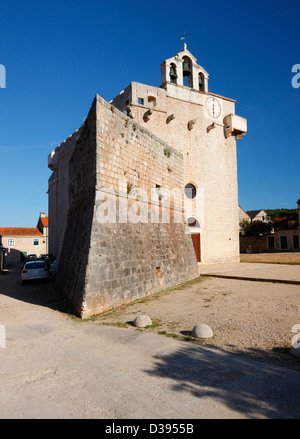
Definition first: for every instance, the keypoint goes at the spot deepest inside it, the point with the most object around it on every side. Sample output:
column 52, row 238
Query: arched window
column 187, row 72
column 192, row 222
column 173, row 73
column 190, row 191
column 201, row 81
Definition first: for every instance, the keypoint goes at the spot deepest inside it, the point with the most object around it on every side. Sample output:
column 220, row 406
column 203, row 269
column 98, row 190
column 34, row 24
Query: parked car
column 46, row 256
column 31, row 258
column 52, row 268
column 35, row 270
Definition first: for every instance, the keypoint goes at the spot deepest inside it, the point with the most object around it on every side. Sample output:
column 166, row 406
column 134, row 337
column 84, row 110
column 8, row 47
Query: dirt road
column 53, row 366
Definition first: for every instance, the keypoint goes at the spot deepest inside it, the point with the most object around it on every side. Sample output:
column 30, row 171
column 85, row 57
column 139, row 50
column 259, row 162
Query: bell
column 186, row 69
column 201, row 83
column 173, row 73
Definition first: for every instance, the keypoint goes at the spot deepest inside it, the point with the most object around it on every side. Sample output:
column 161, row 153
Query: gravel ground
column 253, row 318
column 57, row 366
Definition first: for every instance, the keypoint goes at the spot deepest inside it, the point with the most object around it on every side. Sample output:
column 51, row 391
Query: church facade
column 146, row 189
column 204, row 128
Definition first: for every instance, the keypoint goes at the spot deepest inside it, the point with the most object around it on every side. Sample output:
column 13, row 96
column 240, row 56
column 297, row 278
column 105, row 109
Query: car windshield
column 35, row 265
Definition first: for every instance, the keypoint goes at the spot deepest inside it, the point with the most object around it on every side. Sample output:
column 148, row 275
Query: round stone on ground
column 202, row 331
column 142, row 321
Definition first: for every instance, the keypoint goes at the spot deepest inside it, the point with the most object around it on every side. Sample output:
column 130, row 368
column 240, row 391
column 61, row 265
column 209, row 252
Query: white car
column 35, row 270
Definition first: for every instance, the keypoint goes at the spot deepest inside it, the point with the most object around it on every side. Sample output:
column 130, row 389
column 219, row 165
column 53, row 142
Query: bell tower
column 183, row 70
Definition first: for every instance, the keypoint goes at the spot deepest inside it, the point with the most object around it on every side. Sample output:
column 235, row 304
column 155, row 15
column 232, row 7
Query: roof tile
column 20, row 231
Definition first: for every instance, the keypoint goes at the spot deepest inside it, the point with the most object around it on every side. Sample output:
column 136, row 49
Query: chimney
column 42, row 215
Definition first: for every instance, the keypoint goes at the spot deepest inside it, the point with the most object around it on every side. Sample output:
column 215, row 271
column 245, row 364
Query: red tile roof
column 20, row 231
column 278, row 219
column 45, row 221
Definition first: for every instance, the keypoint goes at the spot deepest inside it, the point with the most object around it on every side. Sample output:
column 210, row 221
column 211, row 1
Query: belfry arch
column 187, row 72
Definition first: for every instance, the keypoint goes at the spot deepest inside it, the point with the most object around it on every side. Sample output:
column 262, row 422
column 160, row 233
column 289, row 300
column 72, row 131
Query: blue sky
column 59, row 54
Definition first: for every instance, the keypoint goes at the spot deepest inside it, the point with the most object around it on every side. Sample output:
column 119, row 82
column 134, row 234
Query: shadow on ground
column 246, row 386
column 37, row 292
column 277, row 355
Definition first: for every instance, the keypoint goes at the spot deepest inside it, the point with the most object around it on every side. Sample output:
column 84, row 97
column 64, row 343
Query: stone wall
column 114, row 249
column 58, row 192
column 253, row 244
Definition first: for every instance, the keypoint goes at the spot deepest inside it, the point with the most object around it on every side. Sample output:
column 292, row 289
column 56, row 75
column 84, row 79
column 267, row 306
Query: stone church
column 145, row 191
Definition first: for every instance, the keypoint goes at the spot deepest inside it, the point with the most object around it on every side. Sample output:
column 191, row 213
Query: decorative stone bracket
column 147, row 115
column 211, row 127
column 191, row 124
column 171, row 117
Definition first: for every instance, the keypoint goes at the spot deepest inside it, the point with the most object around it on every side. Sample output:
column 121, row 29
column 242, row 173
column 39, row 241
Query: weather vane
column 183, row 38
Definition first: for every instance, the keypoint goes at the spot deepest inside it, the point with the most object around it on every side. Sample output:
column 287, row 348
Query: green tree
column 258, row 228
column 244, row 224
column 277, row 213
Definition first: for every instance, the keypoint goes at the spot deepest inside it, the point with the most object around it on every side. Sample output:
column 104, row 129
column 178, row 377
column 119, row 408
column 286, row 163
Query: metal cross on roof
column 184, row 43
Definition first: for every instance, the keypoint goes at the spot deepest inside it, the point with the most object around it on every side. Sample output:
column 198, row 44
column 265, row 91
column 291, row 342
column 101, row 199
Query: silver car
column 35, row 270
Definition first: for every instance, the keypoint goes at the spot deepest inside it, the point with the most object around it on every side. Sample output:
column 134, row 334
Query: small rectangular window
column 36, row 242
column 141, row 101
column 283, row 243
column 296, row 241
column 10, row 242
column 271, row 243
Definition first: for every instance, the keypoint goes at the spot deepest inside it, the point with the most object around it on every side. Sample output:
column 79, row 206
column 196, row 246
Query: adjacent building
column 243, row 216
column 286, row 233
column 258, row 215
column 285, row 236
column 253, row 215
column 19, row 242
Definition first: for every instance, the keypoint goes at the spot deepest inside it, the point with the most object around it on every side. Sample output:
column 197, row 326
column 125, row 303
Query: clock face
column 213, row 107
